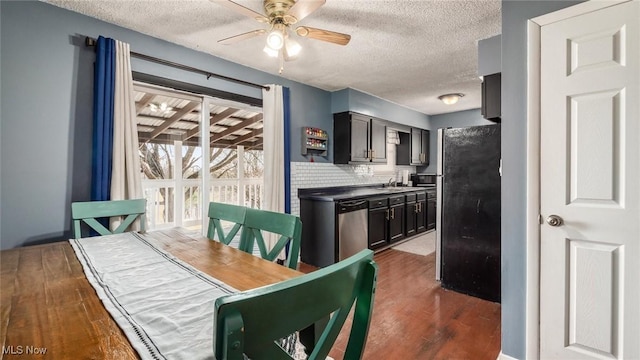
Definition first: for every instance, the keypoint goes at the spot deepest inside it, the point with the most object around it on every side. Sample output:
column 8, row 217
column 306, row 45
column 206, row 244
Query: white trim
column 502, row 356
column 205, row 176
column 178, row 193
column 165, row 91
column 532, row 298
column 532, row 306
column 579, row 9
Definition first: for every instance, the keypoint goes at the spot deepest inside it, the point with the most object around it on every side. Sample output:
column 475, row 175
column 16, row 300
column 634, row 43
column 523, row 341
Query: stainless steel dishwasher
column 353, row 227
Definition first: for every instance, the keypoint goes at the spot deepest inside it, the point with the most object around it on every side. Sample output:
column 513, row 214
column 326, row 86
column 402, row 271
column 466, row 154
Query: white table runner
column 163, row 305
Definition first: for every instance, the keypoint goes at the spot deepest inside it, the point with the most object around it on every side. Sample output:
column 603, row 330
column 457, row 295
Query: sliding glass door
column 185, row 165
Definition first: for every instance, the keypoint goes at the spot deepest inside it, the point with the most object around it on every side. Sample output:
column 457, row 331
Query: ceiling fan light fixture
column 269, row 51
column 275, row 39
column 163, row 107
column 291, row 48
column 450, row 99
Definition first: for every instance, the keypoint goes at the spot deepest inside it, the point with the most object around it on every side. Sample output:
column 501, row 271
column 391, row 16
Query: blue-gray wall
column 490, row 55
column 353, row 100
column 456, row 119
column 514, row 175
column 46, row 87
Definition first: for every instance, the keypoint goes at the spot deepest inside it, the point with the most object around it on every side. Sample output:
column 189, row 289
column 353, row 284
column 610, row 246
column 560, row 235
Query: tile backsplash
column 310, row 175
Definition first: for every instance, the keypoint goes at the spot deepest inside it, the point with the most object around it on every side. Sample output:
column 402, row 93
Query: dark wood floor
column 414, row 318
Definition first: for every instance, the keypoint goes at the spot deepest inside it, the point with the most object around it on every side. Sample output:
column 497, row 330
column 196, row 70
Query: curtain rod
column 89, row 41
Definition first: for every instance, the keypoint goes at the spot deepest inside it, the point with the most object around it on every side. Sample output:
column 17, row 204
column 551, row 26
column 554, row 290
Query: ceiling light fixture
column 291, row 48
column 281, row 15
column 450, row 99
column 270, row 51
column 275, row 39
column 163, row 107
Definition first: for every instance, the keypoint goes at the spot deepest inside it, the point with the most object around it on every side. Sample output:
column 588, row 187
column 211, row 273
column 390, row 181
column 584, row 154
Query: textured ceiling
column 406, row 51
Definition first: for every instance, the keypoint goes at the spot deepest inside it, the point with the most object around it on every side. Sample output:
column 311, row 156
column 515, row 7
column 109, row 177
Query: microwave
column 424, row 180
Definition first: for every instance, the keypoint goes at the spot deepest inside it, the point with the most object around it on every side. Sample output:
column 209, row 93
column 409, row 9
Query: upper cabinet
column 413, row 148
column 491, row 109
column 419, row 147
column 359, row 138
column 489, row 68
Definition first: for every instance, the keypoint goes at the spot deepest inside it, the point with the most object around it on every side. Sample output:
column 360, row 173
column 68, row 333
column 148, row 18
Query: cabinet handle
column 366, row 154
column 387, row 214
column 373, row 154
column 419, row 207
column 415, row 208
column 393, row 213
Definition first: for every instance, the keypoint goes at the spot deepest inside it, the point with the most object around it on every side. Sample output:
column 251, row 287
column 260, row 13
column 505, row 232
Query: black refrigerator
column 468, row 211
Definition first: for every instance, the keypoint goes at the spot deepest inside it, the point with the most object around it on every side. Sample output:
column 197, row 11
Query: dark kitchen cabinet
column 491, row 92
column 396, row 218
column 386, row 220
column 421, row 214
column 413, row 148
column 415, row 214
column 359, row 139
column 431, row 210
column 378, row 222
column 410, row 210
column 419, row 147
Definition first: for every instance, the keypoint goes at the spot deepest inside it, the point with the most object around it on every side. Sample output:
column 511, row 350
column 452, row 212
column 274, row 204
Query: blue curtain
column 103, row 95
column 286, row 109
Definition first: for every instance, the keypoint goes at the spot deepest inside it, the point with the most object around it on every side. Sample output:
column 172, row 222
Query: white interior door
column 590, row 178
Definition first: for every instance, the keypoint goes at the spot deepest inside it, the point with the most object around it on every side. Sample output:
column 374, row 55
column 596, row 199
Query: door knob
column 554, row 220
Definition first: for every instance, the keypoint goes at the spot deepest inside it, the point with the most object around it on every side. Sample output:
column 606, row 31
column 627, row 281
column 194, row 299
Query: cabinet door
column 359, row 138
column 491, row 107
column 378, row 227
column 431, row 214
column 396, row 222
column 416, row 146
column 378, row 141
column 424, row 145
column 421, row 216
column 410, row 214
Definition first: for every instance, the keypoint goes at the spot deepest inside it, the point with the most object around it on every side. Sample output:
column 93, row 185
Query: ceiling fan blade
column 324, row 35
column 242, row 10
column 236, row 38
column 302, row 8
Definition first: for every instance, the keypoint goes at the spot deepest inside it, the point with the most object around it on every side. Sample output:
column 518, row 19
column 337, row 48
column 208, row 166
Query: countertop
column 354, row 192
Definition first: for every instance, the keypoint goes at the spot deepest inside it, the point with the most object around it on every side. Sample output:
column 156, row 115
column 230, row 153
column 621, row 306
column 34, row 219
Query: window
column 173, row 157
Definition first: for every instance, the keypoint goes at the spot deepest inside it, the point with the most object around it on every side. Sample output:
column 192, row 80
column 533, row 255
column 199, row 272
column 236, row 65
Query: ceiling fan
column 281, row 15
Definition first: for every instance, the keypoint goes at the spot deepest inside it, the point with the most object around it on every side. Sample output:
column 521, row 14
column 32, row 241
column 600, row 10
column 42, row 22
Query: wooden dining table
column 50, row 310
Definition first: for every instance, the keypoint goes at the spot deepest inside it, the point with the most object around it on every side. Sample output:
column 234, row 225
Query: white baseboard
column 502, row 356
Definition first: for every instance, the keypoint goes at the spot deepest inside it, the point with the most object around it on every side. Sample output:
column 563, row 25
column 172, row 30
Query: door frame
column 533, row 216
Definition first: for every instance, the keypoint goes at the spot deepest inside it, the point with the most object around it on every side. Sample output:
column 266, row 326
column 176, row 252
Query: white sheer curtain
column 126, row 182
column 273, row 144
column 273, row 118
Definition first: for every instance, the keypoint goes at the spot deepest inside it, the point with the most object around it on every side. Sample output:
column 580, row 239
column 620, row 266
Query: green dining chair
column 219, row 212
column 252, row 322
column 288, row 226
column 90, row 211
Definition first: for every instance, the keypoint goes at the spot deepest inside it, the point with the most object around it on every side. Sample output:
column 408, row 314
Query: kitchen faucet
column 390, row 182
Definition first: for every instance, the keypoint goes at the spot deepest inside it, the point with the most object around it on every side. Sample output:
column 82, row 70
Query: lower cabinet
column 416, row 213
column 431, row 210
column 386, row 220
column 378, row 222
column 410, row 210
column 396, row 218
